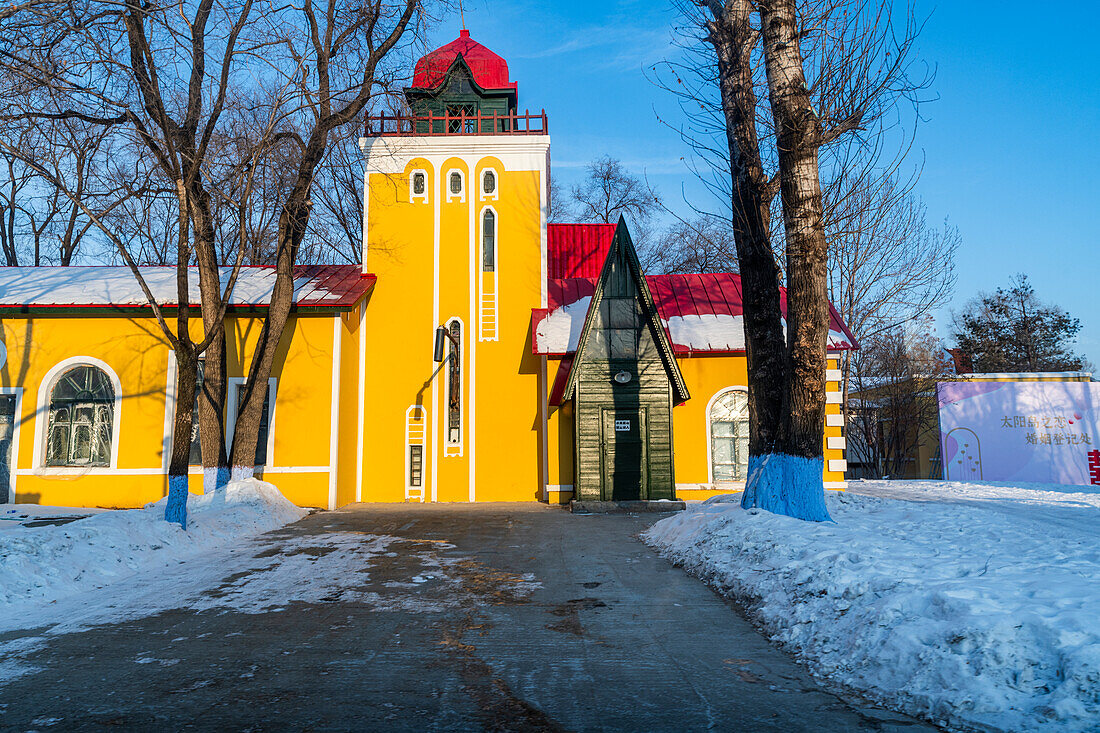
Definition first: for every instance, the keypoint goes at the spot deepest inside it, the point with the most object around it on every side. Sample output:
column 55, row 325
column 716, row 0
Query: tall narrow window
column 418, row 184
column 454, row 386
column 729, row 436
column 489, row 241
column 82, row 406
column 196, row 445
column 261, row 441
column 416, row 465
column 489, row 182
column 456, row 183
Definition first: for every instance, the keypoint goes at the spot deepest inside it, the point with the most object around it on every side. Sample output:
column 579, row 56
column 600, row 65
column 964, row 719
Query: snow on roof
column 701, row 312
column 338, row 287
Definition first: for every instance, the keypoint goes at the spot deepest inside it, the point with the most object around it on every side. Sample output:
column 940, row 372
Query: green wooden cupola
column 462, row 80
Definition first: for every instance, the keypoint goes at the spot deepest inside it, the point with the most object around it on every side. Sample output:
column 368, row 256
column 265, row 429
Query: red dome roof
column 490, row 71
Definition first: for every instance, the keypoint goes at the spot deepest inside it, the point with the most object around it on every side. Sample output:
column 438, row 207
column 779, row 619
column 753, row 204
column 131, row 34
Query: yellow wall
column 425, row 278
column 135, row 350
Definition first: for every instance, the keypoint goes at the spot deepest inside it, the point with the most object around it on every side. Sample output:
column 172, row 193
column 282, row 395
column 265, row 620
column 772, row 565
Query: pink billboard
column 1043, row 432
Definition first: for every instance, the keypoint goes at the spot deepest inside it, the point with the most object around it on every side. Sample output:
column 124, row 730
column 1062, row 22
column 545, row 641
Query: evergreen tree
column 1011, row 330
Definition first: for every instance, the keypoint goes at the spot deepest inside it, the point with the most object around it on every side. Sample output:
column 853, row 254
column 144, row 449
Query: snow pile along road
column 972, row 605
column 43, row 564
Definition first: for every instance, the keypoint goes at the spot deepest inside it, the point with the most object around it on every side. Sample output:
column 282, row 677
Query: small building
column 566, row 370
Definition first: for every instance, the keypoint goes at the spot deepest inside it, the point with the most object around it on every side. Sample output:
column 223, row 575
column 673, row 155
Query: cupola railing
column 384, row 125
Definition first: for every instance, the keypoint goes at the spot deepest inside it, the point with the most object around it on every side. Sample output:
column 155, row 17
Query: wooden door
column 623, row 451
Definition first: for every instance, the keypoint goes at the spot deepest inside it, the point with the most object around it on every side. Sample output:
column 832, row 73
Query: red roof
column 701, row 312
column 322, row 287
column 490, row 71
column 577, row 250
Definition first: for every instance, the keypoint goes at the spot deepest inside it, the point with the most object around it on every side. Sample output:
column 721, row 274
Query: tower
column 455, row 199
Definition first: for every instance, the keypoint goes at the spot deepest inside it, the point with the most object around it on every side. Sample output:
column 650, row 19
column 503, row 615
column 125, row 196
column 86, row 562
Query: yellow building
column 445, row 368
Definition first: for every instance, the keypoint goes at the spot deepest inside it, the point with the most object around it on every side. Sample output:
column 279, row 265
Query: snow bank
column 967, row 604
column 43, row 564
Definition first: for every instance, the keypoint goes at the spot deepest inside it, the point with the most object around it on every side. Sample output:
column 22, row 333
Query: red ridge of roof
column 490, row 70
column 577, row 250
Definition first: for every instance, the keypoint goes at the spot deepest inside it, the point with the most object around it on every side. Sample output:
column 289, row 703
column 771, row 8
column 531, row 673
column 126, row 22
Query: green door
column 622, row 439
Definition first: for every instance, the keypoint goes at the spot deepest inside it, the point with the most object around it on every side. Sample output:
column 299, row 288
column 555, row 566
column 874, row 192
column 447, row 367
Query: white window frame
column 454, row 450
column 481, row 185
column 17, row 423
column 481, row 295
column 710, row 445
column 461, row 195
column 417, row 414
column 231, row 417
column 422, row 197
column 42, row 416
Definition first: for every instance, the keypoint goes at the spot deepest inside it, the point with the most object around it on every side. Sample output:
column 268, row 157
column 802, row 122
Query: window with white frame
column 488, row 183
column 265, row 418
column 418, row 186
column 454, row 384
column 81, row 418
column 488, row 241
column 729, row 436
column 456, row 185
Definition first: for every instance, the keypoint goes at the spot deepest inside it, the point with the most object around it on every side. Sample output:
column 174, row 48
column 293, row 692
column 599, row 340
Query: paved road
column 419, row 618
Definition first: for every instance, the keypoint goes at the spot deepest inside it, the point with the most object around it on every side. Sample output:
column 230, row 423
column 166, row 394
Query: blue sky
column 1010, row 144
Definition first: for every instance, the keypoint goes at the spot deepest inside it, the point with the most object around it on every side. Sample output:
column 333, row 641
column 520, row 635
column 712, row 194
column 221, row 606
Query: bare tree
column 334, row 60
column 895, row 407
column 829, row 70
column 609, row 191
column 158, row 76
column 700, row 244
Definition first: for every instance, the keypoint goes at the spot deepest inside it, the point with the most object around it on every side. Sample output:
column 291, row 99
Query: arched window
column 454, row 385
column 489, row 182
column 729, row 436
column 488, row 241
column 81, row 419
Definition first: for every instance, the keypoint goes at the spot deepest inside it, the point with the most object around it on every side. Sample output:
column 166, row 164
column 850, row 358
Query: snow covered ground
column 42, row 564
column 972, row 605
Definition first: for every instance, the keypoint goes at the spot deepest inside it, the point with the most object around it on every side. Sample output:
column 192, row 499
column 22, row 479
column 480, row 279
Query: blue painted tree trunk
column 176, row 508
column 788, row 485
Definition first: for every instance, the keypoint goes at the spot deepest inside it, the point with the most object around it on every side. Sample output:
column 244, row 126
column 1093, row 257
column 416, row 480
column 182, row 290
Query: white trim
column 390, row 155
column 454, row 450
column 834, row 421
column 366, row 205
column 833, row 375
column 544, row 445
column 191, row 471
column 361, row 406
column 832, row 398
column 461, row 195
column 835, row 442
column 481, row 187
column 470, row 416
column 334, row 410
column 42, row 411
column 170, row 397
column 409, row 440
column 17, row 423
column 430, row 444
column 231, row 414
column 414, row 196
column 836, row 485
column 560, row 488
column 544, row 198
column 838, row 465
column 713, row 486
column 706, row 417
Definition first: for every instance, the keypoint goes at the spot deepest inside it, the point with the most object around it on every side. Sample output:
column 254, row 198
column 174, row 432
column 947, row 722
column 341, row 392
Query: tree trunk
column 186, row 364
column 796, row 487
column 733, row 37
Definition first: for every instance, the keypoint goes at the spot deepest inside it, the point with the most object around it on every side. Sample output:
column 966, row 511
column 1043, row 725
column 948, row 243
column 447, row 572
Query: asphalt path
column 417, row 618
